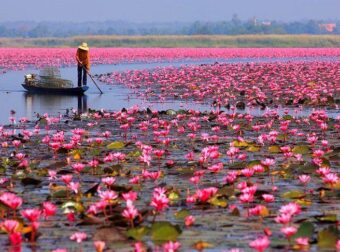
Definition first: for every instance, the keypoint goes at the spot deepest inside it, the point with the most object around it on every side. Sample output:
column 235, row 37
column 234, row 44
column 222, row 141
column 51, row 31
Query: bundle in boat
column 49, row 77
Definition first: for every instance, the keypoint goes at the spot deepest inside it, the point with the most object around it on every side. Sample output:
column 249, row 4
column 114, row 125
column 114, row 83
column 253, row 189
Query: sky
column 166, row 10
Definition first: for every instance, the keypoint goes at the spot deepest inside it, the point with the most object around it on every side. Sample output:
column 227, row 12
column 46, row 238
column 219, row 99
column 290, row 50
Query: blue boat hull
column 64, row 91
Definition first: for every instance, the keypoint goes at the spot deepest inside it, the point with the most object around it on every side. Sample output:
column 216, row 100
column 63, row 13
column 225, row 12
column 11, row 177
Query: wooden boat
column 50, row 82
column 53, row 90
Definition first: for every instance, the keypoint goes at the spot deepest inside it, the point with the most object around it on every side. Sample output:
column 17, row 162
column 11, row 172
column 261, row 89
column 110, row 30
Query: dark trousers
column 82, row 71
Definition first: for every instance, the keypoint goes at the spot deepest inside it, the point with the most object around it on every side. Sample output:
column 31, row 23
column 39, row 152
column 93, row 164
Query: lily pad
column 329, row 218
column 60, row 194
column 274, row 149
column 173, row 196
column 287, row 117
column 70, row 205
column 137, row 233
column 116, row 145
column 237, row 143
column 253, row 148
column 164, row 231
column 215, row 201
column 171, row 112
column 293, row 195
column 182, row 214
column 327, row 238
column 306, row 229
column 301, row 149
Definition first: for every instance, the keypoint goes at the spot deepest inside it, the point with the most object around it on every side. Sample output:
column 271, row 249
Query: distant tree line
column 235, row 26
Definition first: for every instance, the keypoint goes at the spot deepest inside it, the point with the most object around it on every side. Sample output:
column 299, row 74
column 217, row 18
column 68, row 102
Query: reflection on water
column 36, row 104
column 82, row 103
column 41, row 103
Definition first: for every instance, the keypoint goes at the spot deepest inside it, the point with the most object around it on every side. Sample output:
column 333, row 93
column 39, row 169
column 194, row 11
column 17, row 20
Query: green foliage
column 116, row 145
column 137, row 233
column 306, row 229
column 327, row 237
column 164, row 231
column 258, row 40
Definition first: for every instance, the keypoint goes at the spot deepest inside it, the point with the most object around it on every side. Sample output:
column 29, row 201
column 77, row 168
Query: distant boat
column 50, row 82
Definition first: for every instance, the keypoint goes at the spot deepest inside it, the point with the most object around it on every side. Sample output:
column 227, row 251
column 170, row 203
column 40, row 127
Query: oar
column 92, row 79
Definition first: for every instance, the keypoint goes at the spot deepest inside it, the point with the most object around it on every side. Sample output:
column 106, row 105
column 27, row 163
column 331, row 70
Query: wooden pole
column 92, row 79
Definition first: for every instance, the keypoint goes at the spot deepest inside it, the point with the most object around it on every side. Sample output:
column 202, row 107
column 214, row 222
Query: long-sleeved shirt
column 83, row 58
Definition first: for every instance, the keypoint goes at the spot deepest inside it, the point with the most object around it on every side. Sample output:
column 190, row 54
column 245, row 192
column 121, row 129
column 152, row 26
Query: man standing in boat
column 83, row 60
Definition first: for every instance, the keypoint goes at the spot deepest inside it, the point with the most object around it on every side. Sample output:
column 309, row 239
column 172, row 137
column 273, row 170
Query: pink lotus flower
column 10, row 226
column 139, row 247
column 246, row 197
column 109, row 181
column 99, row 246
column 302, row 241
column 290, row 209
column 283, row 218
column 78, row 237
column 289, row 231
column 74, row 186
column 16, row 143
column 323, row 171
column 189, row 220
column 108, row 196
column 171, row 246
column 49, row 209
column 52, row 175
column 130, row 196
column 66, row 178
column 260, row 244
column 32, row 214
column 78, row 167
column 247, row 172
column 11, row 200
column 93, row 163
column 268, row 198
column 159, row 202
column 205, row 194
column 331, row 179
column 15, row 238
column 216, row 167
column 304, row 179
column 130, row 212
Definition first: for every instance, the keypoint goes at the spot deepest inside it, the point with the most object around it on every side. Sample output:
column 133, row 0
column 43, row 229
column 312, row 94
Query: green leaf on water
column 325, row 162
column 164, row 231
column 135, row 153
column 237, row 143
column 182, row 214
column 173, row 196
column 327, row 237
column 252, row 163
column 327, row 218
column 215, row 201
column 294, row 195
column 253, row 148
column 306, row 229
column 2, row 170
column 138, row 233
column 301, row 149
column 287, row 117
column 274, row 149
column 116, row 145
column 71, row 205
column 171, row 112
column 60, row 194
column 227, row 191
